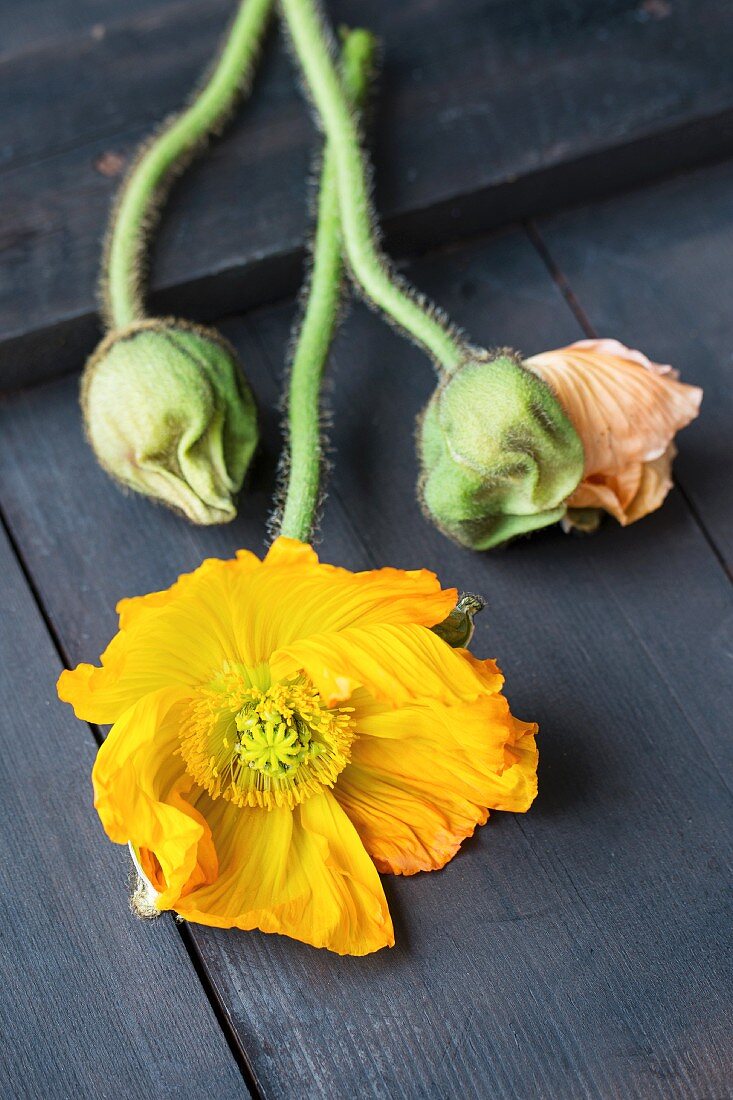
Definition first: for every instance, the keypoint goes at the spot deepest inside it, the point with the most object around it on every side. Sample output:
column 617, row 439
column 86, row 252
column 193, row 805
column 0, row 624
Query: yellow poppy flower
column 626, row 410
column 283, row 726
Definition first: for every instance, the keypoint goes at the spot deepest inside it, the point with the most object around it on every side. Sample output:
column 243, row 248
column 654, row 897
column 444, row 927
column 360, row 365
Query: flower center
column 265, row 746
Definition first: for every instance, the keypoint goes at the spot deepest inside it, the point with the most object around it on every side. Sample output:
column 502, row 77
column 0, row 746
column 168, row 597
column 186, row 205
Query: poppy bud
column 499, row 456
column 169, row 414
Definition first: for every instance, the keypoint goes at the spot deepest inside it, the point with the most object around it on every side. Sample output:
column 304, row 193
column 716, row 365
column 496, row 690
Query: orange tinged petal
column 654, row 484
column 624, row 407
column 631, row 494
column 302, row 873
column 626, row 410
column 423, row 776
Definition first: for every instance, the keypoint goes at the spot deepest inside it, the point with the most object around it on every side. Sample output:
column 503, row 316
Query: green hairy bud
column 169, row 414
column 499, row 456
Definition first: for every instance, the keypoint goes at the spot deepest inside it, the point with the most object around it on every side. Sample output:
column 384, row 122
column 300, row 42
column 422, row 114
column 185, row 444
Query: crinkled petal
column 239, row 612
column 629, row 495
column 423, row 776
column 656, row 481
column 179, row 637
column 303, row 873
column 297, row 596
column 394, row 663
column 135, row 607
column 139, row 792
column 613, row 493
column 625, row 408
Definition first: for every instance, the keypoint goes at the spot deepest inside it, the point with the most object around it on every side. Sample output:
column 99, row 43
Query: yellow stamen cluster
column 264, row 746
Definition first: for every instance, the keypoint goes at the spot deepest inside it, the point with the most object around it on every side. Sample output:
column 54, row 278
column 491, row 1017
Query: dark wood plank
column 574, row 952
column 655, row 269
column 41, row 23
column 94, row 1004
column 491, row 112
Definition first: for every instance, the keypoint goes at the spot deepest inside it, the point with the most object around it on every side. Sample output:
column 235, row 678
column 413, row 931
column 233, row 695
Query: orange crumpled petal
column 627, row 411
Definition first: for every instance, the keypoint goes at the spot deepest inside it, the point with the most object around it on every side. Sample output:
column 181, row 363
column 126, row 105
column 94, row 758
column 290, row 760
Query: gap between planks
column 290, row 954
column 574, row 305
column 212, row 995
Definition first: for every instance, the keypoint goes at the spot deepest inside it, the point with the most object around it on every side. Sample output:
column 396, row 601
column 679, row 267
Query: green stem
column 319, row 318
column 167, row 154
column 369, row 268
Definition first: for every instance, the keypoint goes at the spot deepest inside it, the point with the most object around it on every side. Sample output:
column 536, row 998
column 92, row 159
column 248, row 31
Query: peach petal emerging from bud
column 626, row 410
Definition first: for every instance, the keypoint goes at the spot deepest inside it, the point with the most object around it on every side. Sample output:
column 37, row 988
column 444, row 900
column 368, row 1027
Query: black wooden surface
column 93, row 1003
column 579, row 951
column 493, row 110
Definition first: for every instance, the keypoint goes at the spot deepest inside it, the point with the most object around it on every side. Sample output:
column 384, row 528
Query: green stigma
column 274, row 741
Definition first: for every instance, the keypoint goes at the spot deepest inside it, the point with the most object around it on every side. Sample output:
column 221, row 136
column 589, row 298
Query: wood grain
column 574, row 952
column 654, row 269
column 490, row 112
column 38, row 24
column 94, row 1004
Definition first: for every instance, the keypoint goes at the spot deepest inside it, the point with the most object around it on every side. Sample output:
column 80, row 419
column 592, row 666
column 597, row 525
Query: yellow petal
column 394, row 663
column 179, row 637
column 297, row 596
column 139, row 792
column 239, row 612
column 133, row 607
column 423, row 776
column 625, row 408
column 303, row 873
column 289, row 552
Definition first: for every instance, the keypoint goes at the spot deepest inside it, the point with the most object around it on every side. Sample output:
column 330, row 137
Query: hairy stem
column 319, row 317
column 368, row 266
column 165, row 156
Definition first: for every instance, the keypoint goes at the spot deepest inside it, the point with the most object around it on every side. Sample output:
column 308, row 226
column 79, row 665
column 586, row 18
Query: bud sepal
column 499, row 457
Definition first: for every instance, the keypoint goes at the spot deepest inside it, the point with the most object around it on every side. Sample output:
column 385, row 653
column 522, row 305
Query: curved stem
column 368, row 265
column 319, row 319
column 167, row 154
